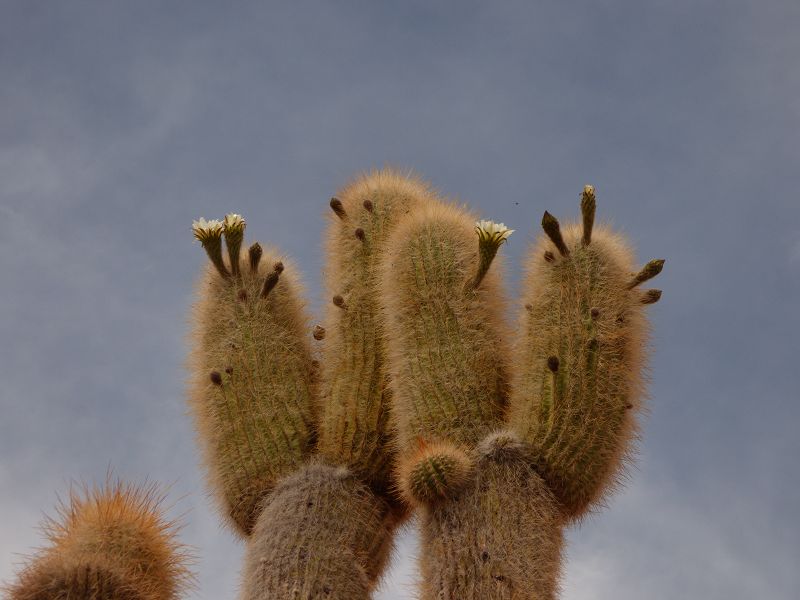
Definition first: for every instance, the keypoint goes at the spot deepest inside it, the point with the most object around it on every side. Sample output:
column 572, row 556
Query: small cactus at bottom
column 108, row 543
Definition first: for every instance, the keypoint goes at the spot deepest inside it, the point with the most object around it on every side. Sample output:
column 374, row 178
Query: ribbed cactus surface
column 579, row 358
column 443, row 333
column 322, row 535
column 500, row 538
column 252, row 390
column 107, row 543
column 354, row 427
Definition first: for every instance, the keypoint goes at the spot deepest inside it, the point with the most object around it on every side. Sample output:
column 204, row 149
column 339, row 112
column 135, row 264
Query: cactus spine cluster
column 107, row 543
column 414, row 393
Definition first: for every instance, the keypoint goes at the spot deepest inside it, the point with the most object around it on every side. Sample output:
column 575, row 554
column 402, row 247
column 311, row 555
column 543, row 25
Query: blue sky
column 120, row 122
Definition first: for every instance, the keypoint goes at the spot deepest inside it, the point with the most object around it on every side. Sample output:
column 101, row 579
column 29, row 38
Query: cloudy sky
column 120, row 122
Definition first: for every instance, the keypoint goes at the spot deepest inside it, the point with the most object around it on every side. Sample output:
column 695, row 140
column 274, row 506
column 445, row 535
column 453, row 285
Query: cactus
column 546, row 423
column 110, row 543
column 252, row 392
column 299, row 455
column 413, row 393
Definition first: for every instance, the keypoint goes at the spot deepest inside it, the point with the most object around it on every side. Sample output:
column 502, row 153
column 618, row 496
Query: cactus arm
column 491, row 528
column 354, row 424
column 251, row 386
column 110, row 542
column 443, row 334
column 579, row 357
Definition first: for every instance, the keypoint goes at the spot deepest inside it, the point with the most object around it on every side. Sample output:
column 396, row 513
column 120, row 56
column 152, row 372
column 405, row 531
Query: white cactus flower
column 234, row 222
column 205, row 230
column 492, row 233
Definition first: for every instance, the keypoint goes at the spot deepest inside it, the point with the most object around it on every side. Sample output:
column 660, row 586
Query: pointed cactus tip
column 319, row 332
column 553, row 231
column 216, row 378
column 650, row 270
column 651, row 296
column 338, row 301
column 278, row 267
column 242, row 295
column 254, row 252
column 594, row 312
column 368, row 205
column 338, row 208
column 549, row 256
column 552, row 364
column 270, row 282
column 359, row 233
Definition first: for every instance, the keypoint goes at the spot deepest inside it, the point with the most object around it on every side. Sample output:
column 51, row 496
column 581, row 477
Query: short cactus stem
column 338, row 208
column 272, row 279
column 251, row 393
column 650, row 296
column 254, row 255
column 553, row 230
column 650, row 270
column 588, row 206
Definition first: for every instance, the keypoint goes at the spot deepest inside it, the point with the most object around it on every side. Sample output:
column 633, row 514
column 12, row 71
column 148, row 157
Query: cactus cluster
column 413, row 394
